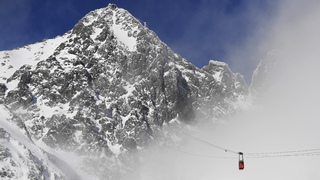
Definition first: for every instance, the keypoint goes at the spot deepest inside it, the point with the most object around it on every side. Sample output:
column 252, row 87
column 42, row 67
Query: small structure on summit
column 113, row 6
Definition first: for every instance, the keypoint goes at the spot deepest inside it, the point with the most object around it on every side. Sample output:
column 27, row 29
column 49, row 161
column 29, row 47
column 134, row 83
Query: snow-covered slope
column 21, row 158
column 31, row 54
column 104, row 90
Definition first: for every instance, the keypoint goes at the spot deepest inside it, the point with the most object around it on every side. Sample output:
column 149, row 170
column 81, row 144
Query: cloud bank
column 285, row 118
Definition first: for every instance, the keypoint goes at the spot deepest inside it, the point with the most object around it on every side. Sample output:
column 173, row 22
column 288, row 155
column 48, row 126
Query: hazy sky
column 284, row 118
column 198, row 30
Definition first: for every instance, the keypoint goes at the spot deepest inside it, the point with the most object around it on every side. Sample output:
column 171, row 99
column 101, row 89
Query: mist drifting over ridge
column 284, row 117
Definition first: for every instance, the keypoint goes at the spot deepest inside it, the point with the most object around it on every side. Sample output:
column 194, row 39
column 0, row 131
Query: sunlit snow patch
column 122, row 35
column 28, row 55
column 217, row 76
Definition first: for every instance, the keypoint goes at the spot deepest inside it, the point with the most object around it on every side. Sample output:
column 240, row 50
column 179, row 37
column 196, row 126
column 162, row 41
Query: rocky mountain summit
column 107, row 86
column 267, row 67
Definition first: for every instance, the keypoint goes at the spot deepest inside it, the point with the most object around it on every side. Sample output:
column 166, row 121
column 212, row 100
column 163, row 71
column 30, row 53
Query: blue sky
column 198, row 30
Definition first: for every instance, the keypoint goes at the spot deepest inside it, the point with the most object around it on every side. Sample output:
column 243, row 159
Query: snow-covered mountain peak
column 108, row 87
column 266, row 68
column 124, row 26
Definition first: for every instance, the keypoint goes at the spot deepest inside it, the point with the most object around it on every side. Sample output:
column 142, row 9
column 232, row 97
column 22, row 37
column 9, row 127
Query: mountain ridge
column 109, row 86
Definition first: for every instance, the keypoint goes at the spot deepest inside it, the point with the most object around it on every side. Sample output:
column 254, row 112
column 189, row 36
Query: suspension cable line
column 205, row 142
column 307, row 152
column 249, row 156
column 285, row 152
column 199, row 155
column 304, row 152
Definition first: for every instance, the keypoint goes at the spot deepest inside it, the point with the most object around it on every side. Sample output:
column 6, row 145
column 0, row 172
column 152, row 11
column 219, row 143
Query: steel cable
column 199, row 155
column 205, row 142
column 304, row 152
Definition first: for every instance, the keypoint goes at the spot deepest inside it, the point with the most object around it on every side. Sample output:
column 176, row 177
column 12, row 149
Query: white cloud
column 286, row 119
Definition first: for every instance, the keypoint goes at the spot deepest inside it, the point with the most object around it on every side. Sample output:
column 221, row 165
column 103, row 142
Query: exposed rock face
column 268, row 67
column 109, row 84
column 222, row 89
column 2, row 92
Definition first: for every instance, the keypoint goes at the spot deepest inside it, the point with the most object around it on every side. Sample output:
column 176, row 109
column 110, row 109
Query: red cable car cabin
column 241, row 161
